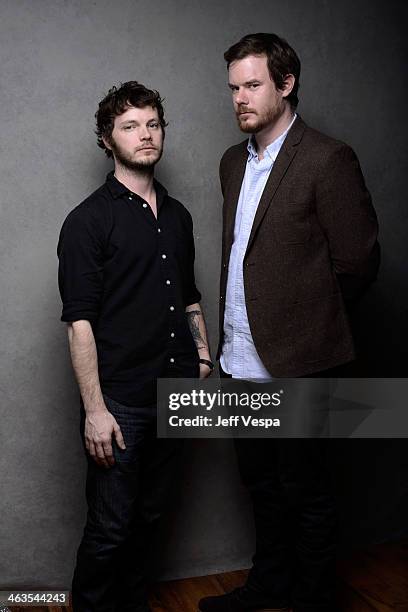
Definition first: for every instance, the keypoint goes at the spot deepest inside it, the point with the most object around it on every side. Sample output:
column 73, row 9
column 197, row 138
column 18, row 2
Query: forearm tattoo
column 193, row 319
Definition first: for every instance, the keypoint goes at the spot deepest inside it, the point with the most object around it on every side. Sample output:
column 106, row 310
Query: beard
column 256, row 122
column 126, row 160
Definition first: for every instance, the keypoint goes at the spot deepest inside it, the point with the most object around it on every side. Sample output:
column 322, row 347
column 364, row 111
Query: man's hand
column 99, row 422
column 205, row 371
column 99, row 427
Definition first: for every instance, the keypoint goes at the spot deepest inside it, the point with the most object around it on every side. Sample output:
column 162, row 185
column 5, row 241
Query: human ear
column 288, row 85
column 106, row 142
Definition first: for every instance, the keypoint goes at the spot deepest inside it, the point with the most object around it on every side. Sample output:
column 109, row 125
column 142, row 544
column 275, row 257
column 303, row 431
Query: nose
column 144, row 133
column 240, row 97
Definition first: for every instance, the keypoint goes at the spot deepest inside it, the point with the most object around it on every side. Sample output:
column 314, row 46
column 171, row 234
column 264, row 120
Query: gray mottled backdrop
column 58, row 58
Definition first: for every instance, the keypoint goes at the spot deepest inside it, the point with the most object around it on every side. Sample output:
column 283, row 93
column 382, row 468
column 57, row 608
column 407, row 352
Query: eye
column 127, row 128
column 153, row 124
column 254, row 85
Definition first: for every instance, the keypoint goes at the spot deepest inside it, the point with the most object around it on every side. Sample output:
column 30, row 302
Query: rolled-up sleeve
column 80, row 272
column 191, row 294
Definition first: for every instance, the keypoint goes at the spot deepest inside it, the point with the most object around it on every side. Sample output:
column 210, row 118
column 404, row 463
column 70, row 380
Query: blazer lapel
column 282, row 163
column 232, row 192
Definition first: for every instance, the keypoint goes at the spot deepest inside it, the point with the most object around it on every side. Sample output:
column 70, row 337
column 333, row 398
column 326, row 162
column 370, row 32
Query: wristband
column 207, row 363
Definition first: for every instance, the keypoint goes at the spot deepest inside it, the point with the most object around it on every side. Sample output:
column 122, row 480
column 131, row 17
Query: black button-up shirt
column 132, row 276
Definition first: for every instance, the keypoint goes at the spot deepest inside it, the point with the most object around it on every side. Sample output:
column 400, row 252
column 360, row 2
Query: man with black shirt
column 126, row 278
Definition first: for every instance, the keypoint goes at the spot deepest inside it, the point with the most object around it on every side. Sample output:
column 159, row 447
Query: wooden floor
column 375, row 580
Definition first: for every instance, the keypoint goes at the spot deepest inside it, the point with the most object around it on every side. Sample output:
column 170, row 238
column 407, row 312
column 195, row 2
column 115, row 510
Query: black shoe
column 239, row 600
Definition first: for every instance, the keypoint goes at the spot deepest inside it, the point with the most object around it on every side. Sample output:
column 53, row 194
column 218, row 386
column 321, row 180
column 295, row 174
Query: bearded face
column 257, row 101
column 137, row 138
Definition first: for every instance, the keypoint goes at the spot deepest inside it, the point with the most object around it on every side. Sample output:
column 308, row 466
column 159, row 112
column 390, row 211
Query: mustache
column 242, row 111
column 146, row 147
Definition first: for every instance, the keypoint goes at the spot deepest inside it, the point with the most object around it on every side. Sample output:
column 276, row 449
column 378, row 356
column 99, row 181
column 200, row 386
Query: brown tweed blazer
column 313, row 247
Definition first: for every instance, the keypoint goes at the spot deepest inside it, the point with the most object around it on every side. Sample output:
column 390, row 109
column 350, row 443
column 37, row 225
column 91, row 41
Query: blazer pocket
column 291, row 223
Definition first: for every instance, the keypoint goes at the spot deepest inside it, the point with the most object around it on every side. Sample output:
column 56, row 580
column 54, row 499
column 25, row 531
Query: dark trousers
column 295, row 522
column 124, row 504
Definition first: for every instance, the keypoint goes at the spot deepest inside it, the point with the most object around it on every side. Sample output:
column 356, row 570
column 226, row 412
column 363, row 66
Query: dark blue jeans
column 124, row 504
column 289, row 483
column 295, row 522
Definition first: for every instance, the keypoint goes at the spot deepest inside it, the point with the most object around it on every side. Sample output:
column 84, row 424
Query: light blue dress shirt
column 239, row 356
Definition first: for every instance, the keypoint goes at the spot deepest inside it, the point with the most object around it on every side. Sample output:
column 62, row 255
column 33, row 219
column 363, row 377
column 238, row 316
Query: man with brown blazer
column 299, row 245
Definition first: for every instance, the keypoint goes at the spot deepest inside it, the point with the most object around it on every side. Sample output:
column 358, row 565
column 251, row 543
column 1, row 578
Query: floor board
column 373, row 580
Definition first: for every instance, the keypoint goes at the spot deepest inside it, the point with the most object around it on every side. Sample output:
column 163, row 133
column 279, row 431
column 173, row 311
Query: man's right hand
column 99, row 427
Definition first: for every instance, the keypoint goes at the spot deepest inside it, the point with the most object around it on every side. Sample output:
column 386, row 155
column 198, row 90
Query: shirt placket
column 169, row 284
column 251, row 202
column 239, row 311
column 237, row 339
column 167, row 277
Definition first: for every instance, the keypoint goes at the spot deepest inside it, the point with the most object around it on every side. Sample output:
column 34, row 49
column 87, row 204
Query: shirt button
column 130, row 197
column 168, row 282
column 159, row 230
column 171, row 359
column 164, row 256
column 172, row 334
column 172, row 308
column 145, row 205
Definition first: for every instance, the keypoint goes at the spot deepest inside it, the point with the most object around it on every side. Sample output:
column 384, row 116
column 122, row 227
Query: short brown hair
column 281, row 58
column 117, row 101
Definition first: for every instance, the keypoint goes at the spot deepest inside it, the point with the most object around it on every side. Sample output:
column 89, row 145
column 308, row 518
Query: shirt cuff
column 78, row 312
column 192, row 298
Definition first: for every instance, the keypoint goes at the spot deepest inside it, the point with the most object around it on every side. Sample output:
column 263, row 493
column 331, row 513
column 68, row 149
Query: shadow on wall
column 371, row 489
column 371, row 485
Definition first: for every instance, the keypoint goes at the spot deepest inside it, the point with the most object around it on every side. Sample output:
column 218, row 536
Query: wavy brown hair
column 117, row 101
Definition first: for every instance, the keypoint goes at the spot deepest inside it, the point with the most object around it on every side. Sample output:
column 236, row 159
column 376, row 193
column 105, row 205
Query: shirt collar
column 272, row 149
column 118, row 189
